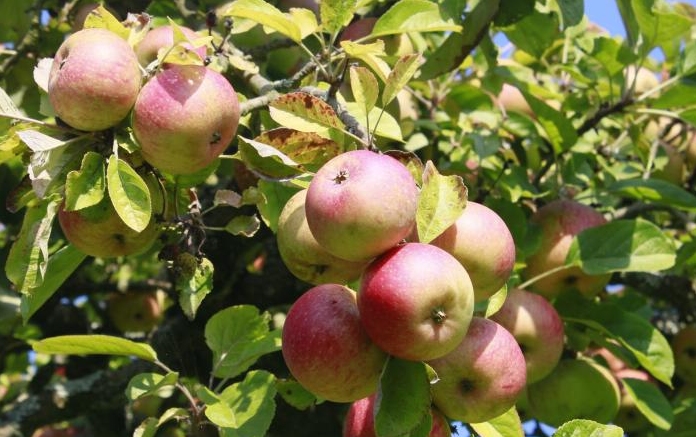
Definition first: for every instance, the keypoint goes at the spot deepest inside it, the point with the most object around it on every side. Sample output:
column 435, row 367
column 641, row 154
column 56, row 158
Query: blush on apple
column 326, row 348
column 416, row 301
column 161, row 37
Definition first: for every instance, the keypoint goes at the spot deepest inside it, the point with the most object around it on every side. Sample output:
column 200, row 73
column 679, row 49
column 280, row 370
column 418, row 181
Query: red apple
column 94, row 79
column 301, row 253
column 360, row 204
column 326, row 348
column 184, row 118
column 360, row 420
column 560, row 220
column 684, row 349
column 482, row 377
column 416, row 301
column 161, row 37
column 538, row 329
column 482, row 242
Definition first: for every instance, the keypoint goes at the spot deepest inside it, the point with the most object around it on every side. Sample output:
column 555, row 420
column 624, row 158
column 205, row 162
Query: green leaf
column 308, row 149
column 275, row 197
column 27, row 261
column 534, row 33
column 655, row 191
column 129, row 194
column 60, row 266
column 7, row 106
column 295, row 394
column 659, row 26
column 496, row 301
column 194, row 288
column 622, row 246
column 403, row 398
column 144, row 384
column 335, row 14
column 267, row 160
column 94, row 345
column 266, row 14
column 381, row 123
column 507, row 424
column 306, row 113
column 612, row 55
column 413, row 16
column 559, row 130
column 404, row 69
column 238, row 336
column 587, row 428
column 636, row 334
column 371, row 54
column 245, row 409
column 85, row 187
column 442, row 200
column 39, row 141
column 244, row 225
column 364, row 86
column 101, row 17
column 571, row 12
column 651, row 402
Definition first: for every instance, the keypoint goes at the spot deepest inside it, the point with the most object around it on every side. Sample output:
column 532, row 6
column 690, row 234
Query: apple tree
column 360, row 218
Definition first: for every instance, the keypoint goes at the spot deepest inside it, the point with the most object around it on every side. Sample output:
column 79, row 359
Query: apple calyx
column 438, row 315
column 341, row 177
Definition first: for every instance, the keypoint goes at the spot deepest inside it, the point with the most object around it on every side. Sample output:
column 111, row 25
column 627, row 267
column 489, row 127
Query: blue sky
column 606, row 14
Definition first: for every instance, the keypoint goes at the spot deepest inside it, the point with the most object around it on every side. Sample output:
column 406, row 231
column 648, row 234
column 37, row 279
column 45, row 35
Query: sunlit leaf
column 404, row 69
column 266, row 14
column 129, row 194
column 144, row 384
column 94, row 345
column 193, row 288
column 651, row 402
column 335, row 14
column 100, row 17
column 441, row 202
column 507, row 424
column 413, row 16
column 587, row 428
column 364, row 86
column 86, row 187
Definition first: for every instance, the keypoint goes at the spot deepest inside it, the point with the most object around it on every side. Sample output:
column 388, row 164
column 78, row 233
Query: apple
column 560, row 220
column 184, row 118
column 538, row 329
column 510, row 98
column 629, row 417
column 482, row 377
column 134, row 311
column 301, row 253
column 160, row 37
column 481, row 241
column 684, row 349
column 326, row 347
column 577, row 388
column 416, row 301
column 643, row 78
column 94, row 79
column 360, row 420
column 360, row 204
column 605, row 356
column 98, row 231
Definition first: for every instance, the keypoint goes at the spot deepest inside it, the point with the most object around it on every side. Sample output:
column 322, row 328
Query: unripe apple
column 481, row 241
column 302, row 255
column 560, row 220
column 684, row 349
column 416, row 301
column 360, row 420
column 326, row 348
column 482, row 377
column 184, row 118
column 538, row 329
column 134, row 311
column 360, row 204
column 94, row 79
column 98, row 231
column 576, row 389
column 160, row 37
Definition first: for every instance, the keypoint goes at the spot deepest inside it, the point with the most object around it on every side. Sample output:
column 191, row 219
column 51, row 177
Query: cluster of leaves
column 307, row 95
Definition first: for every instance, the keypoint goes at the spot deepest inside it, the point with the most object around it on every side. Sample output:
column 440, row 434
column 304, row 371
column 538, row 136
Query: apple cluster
column 182, row 114
column 356, row 224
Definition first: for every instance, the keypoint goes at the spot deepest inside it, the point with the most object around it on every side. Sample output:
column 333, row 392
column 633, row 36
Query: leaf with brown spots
column 306, row 148
column 307, row 113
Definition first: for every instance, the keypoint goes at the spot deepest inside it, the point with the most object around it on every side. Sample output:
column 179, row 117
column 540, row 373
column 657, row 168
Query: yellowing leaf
column 266, row 14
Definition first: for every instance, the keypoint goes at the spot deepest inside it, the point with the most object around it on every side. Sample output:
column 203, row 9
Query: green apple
column 326, row 347
column 684, row 349
column 134, row 311
column 184, row 118
column 360, row 204
column 538, row 329
column 482, row 377
column 577, row 388
column 94, row 79
column 416, row 301
column 301, row 253
column 559, row 221
column 481, row 241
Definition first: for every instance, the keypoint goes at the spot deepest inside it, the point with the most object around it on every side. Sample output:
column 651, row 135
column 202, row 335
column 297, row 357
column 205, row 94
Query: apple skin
column 326, row 348
column 160, row 37
column 360, row 204
column 605, row 356
column 416, row 301
column 576, row 389
column 98, row 231
column 684, row 349
column 303, row 255
column 184, row 118
column 629, row 417
column 94, row 80
column 538, row 329
column 481, row 241
column 645, row 79
column 134, row 311
column 560, row 220
column 360, row 420
column 482, row 377
column 511, row 99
